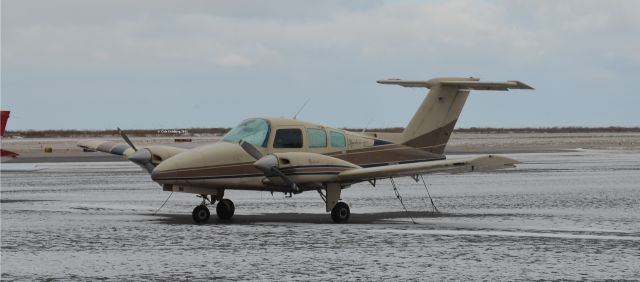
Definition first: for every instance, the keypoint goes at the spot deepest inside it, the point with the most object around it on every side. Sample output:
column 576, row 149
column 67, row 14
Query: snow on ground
column 558, row 216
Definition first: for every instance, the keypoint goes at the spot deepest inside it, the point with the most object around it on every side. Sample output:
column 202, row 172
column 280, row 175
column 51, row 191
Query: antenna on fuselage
column 300, row 110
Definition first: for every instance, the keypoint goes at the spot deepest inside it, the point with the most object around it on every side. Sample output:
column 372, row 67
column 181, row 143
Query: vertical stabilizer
column 5, row 116
column 431, row 126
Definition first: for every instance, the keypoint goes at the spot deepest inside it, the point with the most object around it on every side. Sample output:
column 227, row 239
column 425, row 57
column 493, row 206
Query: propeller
column 126, row 139
column 140, row 157
column 250, row 149
column 269, row 164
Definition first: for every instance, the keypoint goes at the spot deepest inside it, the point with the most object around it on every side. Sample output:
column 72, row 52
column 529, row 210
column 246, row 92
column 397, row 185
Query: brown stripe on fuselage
column 234, row 169
column 313, row 169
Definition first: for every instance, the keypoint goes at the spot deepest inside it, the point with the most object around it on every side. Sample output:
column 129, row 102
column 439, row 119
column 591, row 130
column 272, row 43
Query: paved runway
column 558, row 216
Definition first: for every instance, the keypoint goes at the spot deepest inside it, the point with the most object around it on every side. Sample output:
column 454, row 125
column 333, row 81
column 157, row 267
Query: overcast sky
column 180, row 64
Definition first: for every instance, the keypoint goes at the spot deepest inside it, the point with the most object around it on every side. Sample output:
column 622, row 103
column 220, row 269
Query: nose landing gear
column 225, row 209
column 200, row 214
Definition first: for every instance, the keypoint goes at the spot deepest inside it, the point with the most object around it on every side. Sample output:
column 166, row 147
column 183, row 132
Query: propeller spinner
column 140, row 157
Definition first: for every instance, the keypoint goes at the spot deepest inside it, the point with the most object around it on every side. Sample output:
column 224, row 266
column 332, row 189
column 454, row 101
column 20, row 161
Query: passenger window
column 317, row 138
column 288, row 138
column 337, row 140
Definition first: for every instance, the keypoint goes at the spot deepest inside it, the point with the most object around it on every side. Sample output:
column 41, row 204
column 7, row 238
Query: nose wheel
column 225, row 209
column 200, row 214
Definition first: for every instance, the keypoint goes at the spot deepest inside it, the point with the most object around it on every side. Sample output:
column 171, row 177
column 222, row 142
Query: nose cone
column 199, row 163
column 168, row 170
column 157, row 173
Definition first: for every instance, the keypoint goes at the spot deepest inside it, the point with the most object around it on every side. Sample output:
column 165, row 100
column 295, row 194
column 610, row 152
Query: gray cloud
column 264, row 51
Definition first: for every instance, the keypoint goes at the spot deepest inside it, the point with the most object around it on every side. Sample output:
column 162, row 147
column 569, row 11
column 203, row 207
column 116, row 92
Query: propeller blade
column 286, row 179
column 269, row 166
column 126, row 139
column 250, row 149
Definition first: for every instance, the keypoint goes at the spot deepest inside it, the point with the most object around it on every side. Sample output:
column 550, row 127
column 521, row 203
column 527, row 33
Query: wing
column 109, row 147
column 481, row 163
column 147, row 157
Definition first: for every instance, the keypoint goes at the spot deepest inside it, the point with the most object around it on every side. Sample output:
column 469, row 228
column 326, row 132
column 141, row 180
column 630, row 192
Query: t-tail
column 431, row 126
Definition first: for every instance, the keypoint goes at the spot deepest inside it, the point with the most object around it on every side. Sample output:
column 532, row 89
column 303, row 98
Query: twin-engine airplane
column 292, row 156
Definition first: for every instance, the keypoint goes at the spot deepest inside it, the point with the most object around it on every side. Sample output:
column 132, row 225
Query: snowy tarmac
column 569, row 215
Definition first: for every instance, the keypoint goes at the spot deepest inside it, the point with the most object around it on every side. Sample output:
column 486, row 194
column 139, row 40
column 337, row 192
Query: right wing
column 481, row 163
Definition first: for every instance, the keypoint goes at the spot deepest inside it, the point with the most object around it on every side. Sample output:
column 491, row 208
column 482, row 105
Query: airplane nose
column 155, row 174
column 166, row 172
column 159, row 173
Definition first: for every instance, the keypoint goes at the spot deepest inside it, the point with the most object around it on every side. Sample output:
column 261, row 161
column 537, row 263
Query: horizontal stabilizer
column 473, row 84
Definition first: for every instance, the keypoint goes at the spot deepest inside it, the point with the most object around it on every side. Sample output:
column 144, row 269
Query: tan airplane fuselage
column 225, row 165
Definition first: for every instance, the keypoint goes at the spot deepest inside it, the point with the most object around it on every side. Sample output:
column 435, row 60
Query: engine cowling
column 303, row 169
column 149, row 157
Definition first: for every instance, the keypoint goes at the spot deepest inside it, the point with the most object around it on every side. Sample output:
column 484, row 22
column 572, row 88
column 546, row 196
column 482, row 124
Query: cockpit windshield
column 254, row 131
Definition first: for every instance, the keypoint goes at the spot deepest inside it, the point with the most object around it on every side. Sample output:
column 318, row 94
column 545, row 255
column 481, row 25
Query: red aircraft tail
column 4, row 154
column 5, row 117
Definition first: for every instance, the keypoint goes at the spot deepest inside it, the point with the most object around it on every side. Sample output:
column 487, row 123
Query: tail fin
column 431, row 126
column 4, row 116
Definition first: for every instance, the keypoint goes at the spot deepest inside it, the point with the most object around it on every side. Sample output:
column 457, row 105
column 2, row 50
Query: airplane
column 4, row 154
column 293, row 156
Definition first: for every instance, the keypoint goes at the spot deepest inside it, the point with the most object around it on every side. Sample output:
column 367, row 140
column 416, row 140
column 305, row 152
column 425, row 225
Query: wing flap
column 481, row 163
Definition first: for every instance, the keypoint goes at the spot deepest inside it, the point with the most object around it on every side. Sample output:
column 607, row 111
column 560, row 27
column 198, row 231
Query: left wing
column 109, row 147
column 147, row 157
column 481, row 163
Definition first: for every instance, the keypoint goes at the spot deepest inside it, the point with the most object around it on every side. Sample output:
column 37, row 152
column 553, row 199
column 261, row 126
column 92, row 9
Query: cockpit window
column 254, row 131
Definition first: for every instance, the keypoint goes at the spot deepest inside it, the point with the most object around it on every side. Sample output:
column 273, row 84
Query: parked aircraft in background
column 292, row 156
column 4, row 154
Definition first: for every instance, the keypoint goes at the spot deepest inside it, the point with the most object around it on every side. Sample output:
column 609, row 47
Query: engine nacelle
column 149, row 157
column 302, row 168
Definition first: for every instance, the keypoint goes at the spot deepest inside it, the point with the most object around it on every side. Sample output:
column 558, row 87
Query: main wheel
column 340, row 213
column 200, row 214
column 225, row 209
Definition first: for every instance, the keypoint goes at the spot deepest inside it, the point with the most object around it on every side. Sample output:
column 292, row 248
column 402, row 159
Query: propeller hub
column 266, row 164
column 141, row 156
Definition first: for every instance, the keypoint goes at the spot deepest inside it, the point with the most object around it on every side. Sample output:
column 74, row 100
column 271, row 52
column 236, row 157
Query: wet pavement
column 569, row 215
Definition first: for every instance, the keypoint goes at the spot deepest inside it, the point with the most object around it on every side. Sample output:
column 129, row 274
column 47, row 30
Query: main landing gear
column 340, row 213
column 225, row 210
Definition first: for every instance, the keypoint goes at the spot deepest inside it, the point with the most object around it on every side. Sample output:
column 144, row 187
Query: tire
column 200, row 214
column 225, row 209
column 340, row 213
